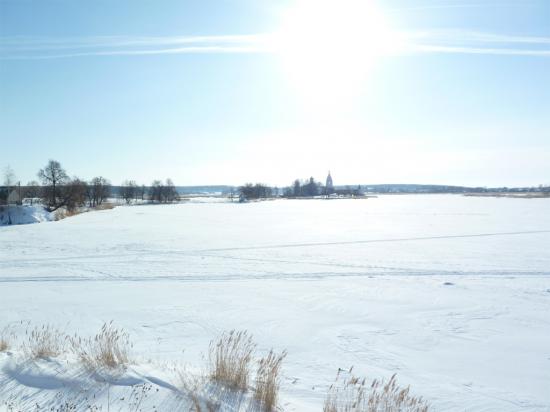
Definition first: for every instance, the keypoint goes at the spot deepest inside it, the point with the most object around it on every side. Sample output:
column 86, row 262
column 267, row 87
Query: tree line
column 55, row 189
column 257, row 191
column 299, row 188
column 304, row 188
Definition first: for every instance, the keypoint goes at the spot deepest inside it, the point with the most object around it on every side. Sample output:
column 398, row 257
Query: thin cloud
column 16, row 43
column 26, row 48
column 414, row 42
column 479, row 50
column 175, row 50
column 457, row 35
column 476, row 42
column 460, row 6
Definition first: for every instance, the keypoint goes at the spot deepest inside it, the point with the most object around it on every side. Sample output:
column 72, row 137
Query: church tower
column 329, row 187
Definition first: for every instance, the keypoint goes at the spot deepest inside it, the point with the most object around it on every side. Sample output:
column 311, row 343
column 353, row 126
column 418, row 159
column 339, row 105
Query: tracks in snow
column 92, row 267
column 199, row 252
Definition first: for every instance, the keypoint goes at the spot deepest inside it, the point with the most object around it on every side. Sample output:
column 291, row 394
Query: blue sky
column 228, row 91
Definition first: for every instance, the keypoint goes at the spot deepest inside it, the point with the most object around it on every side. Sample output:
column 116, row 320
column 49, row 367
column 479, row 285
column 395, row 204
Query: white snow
column 334, row 282
column 25, row 214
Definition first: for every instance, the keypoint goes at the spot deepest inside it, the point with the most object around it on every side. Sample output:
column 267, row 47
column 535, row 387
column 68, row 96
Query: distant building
column 329, row 186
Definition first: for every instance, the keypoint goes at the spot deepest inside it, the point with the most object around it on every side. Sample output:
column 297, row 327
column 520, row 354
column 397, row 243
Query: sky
column 233, row 91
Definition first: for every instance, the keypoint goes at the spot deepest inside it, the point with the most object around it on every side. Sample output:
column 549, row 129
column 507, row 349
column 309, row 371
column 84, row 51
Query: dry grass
column 268, row 380
column 230, row 359
column 44, row 342
column 355, row 395
column 108, row 349
column 105, row 206
column 60, row 214
column 63, row 213
column 73, row 212
column 6, row 336
column 193, row 391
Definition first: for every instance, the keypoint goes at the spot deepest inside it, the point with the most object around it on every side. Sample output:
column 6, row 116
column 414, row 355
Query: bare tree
column 163, row 192
column 297, row 188
column 53, row 177
column 9, row 182
column 310, row 188
column 99, row 190
column 155, row 191
column 255, row 191
column 288, row 191
column 128, row 191
column 75, row 193
column 3, row 195
column 169, row 192
column 9, row 177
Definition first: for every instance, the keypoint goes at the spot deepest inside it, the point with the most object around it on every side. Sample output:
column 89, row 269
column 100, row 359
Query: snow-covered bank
column 452, row 293
column 58, row 384
column 22, row 215
column 480, row 344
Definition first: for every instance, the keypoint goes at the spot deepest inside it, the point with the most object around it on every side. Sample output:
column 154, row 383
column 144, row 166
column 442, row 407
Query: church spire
column 329, row 186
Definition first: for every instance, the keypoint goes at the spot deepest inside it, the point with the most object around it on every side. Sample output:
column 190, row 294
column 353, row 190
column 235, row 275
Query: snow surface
column 452, row 293
column 22, row 215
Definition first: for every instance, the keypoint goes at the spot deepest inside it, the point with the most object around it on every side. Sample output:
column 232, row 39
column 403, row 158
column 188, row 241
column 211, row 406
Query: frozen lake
column 335, row 282
column 422, row 235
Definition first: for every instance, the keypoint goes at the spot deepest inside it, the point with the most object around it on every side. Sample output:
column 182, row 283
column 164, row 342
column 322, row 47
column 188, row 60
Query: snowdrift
column 22, row 215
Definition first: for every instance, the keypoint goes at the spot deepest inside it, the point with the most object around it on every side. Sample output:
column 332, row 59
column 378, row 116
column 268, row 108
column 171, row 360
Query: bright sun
column 328, row 47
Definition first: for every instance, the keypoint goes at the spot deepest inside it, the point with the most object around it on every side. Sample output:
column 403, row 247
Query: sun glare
column 329, row 47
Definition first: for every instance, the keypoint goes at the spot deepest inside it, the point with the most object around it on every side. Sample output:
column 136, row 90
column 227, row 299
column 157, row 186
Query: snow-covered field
column 452, row 293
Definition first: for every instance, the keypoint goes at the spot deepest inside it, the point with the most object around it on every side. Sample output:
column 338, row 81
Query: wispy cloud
column 414, row 42
column 26, row 48
column 478, row 5
column 476, row 42
column 479, row 50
